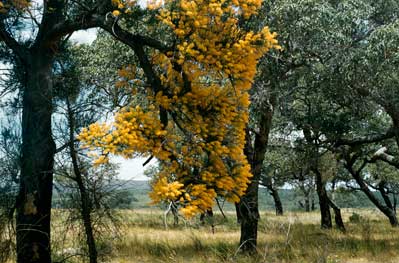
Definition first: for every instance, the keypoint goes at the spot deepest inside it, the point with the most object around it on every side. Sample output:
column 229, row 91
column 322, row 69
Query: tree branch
column 366, row 139
column 11, row 43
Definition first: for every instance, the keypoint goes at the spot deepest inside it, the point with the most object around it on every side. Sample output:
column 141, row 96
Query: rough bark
column 38, row 149
column 85, row 203
column 249, row 216
column 247, row 209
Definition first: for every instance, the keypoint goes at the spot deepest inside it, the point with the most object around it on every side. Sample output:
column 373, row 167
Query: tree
column 198, row 104
column 313, row 68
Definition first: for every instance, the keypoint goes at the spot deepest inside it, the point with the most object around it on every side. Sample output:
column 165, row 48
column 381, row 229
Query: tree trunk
column 277, row 202
column 337, row 215
column 274, row 193
column 323, row 201
column 85, row 210
column 38, row 149
column 248, row 210
column 384, row 194
column 307, row 203
column 388, row 212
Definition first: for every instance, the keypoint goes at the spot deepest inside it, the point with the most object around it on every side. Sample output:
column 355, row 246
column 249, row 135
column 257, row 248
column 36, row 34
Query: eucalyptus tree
column 320, row 39
column 346, row 105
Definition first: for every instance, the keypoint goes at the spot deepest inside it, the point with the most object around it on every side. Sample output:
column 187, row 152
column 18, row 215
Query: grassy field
column 294, row 237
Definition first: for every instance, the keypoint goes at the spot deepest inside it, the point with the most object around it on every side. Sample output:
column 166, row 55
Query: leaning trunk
column 323, row 202
column 274, row 193
column 38, row 149
column 387, row 211
column 84, row 196
column 277, row 202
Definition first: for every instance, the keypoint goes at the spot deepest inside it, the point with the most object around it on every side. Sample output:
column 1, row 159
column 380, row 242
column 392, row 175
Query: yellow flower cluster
column 209, row 33
column 134, row 131
column 205, row 84
column 162, row 190
column 201, row 199
column 123, row 6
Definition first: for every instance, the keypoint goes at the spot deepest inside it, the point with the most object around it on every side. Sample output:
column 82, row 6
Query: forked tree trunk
column 38, row 149
column 337, row 216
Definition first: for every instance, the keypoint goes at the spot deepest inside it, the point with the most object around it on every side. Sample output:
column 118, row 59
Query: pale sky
column 132, row 169
column 84, row 36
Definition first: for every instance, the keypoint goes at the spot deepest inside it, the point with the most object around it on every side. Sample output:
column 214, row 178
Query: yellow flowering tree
column 195, row 110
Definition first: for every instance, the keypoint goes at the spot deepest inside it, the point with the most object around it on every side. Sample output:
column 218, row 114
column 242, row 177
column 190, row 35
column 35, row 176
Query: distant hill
column 135, row 194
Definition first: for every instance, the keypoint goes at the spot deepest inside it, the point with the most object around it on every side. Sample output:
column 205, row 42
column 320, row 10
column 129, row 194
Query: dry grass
column 294, row 237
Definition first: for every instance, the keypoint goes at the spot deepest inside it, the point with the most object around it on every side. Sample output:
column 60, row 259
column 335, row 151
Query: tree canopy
column 194, row 114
